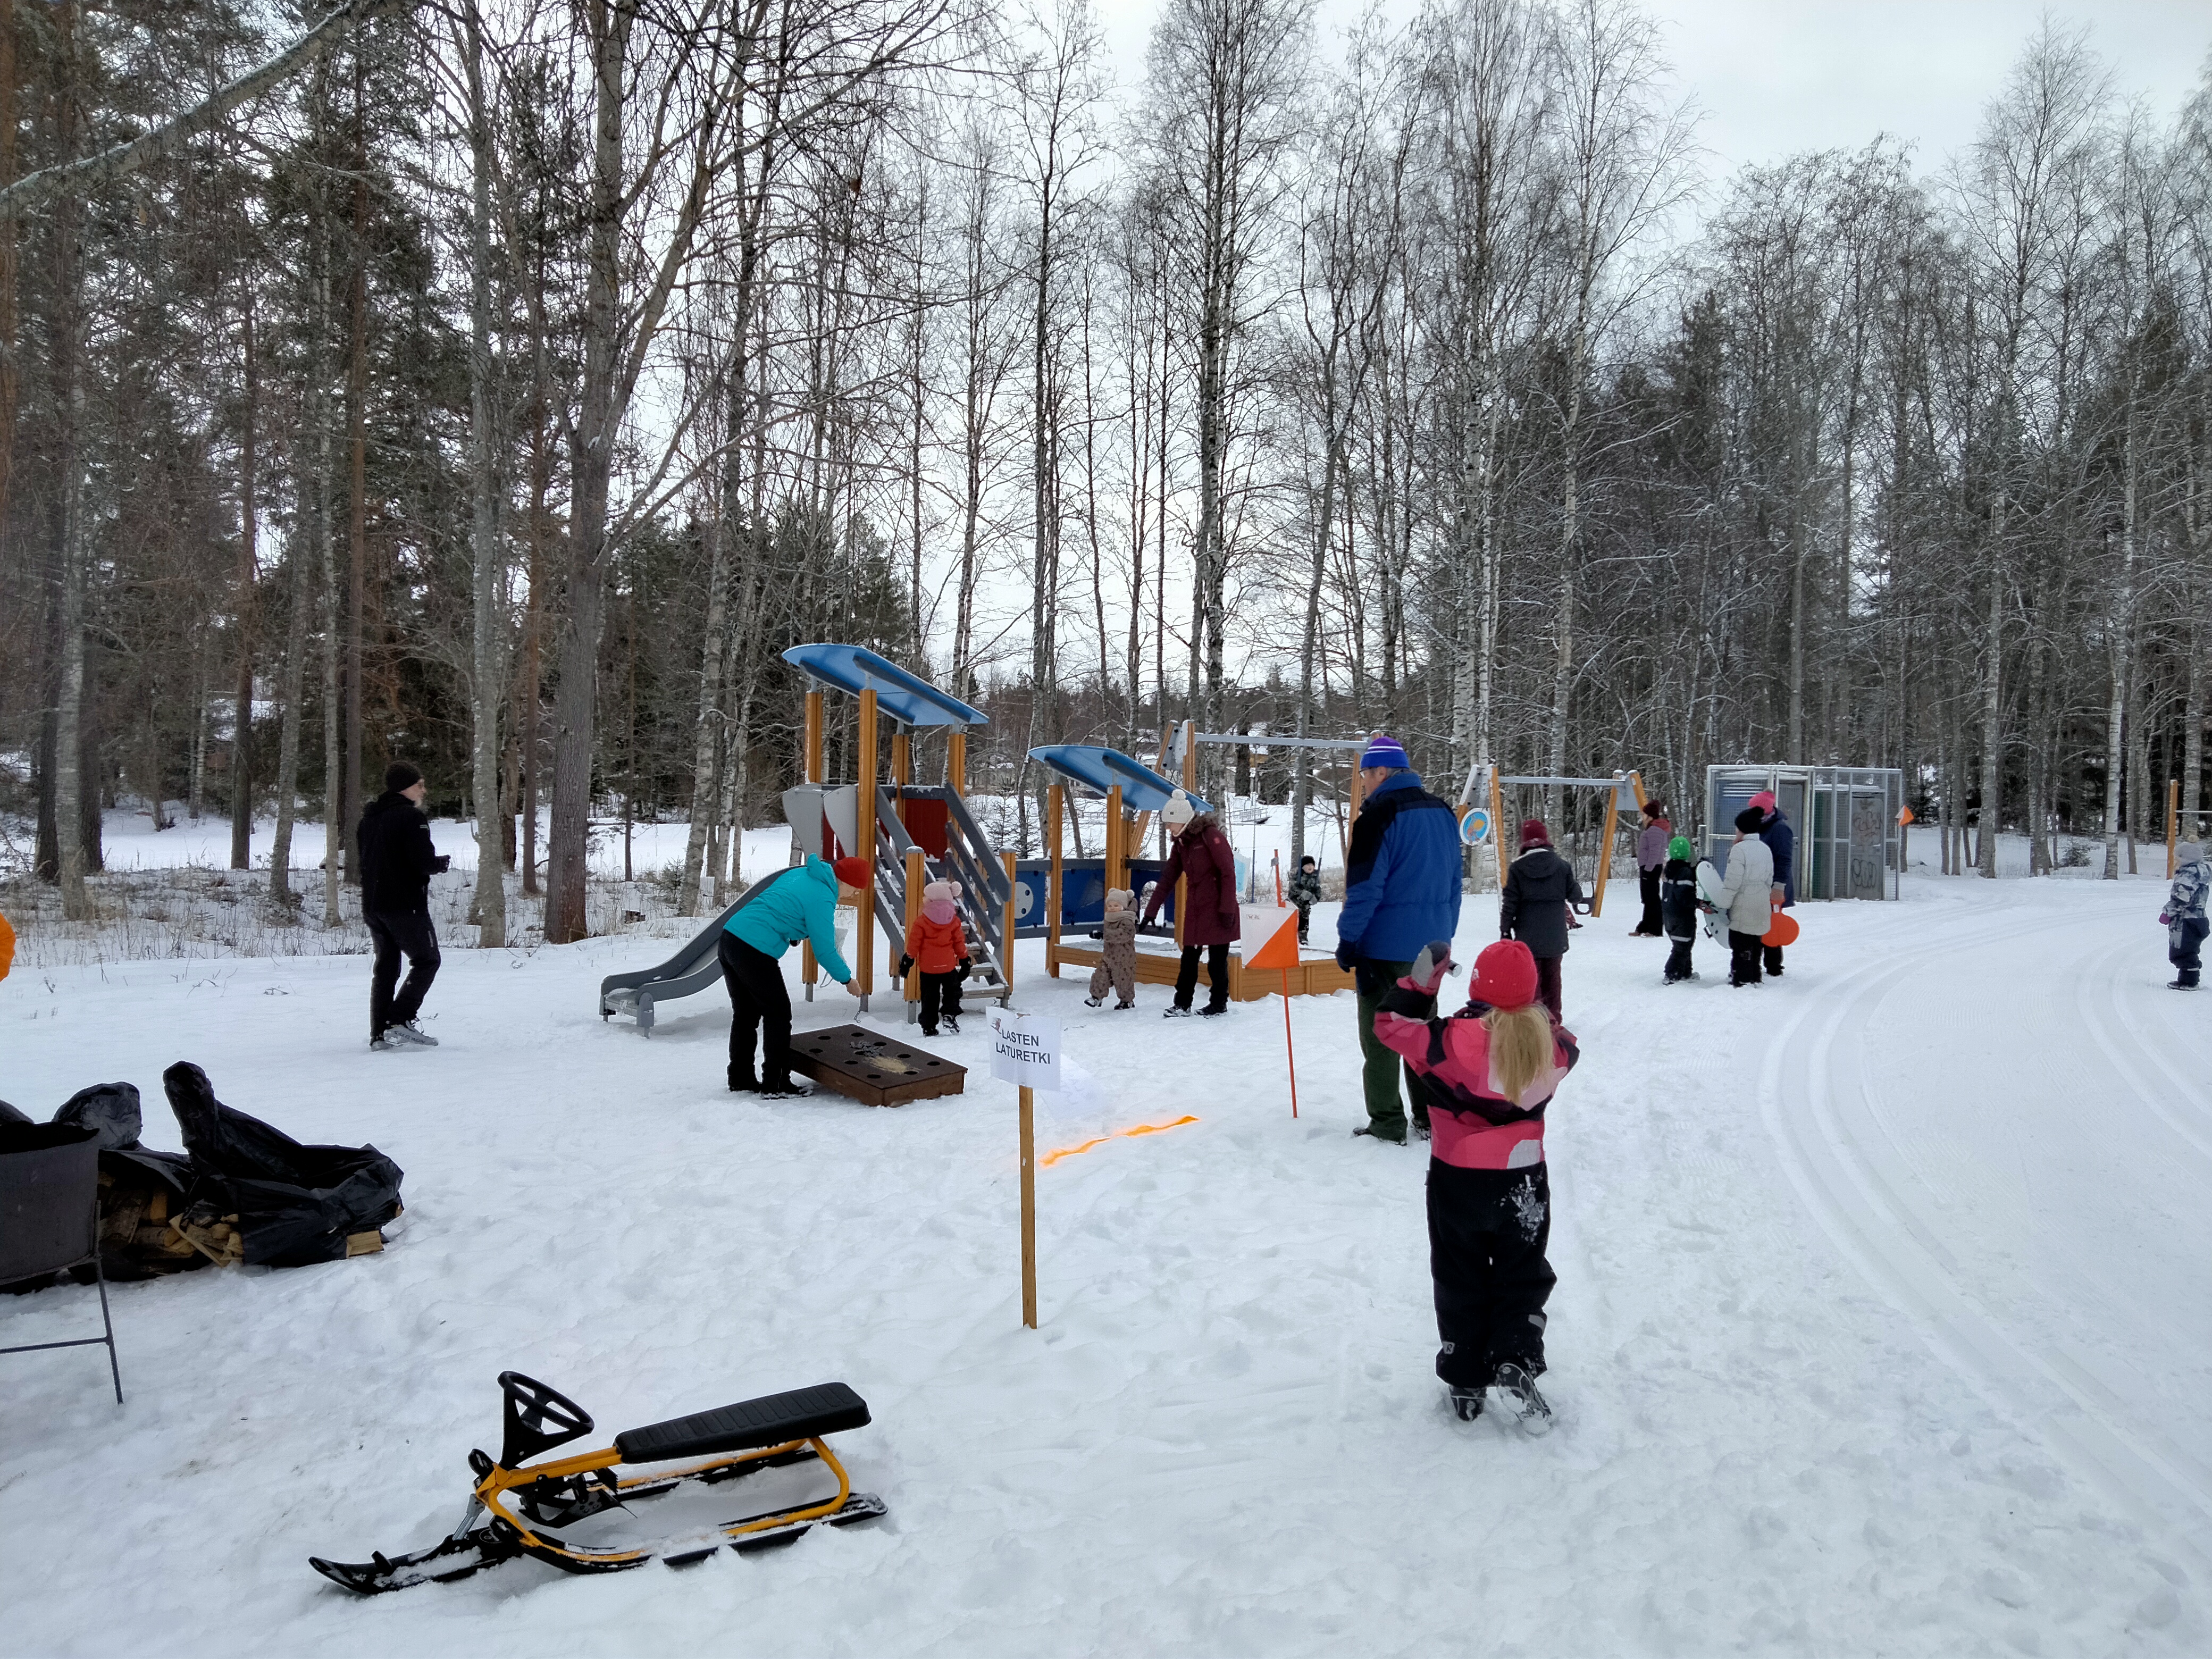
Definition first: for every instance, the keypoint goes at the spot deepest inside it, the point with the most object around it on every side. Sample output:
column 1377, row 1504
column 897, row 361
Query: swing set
column 1501, row 790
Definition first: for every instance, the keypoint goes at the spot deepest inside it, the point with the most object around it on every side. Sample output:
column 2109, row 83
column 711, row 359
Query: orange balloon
column 1783, row 931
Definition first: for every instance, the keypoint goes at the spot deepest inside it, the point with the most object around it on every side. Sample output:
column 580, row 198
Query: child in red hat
column 1491, row 1070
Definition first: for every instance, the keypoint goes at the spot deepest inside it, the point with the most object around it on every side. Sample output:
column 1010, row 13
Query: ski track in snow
column 1880, row 1326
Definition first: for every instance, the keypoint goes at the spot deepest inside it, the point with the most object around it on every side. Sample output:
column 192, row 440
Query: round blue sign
column 1474, row 828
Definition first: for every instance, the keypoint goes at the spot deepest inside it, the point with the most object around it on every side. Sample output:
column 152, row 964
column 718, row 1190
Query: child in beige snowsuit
column 1119, row 966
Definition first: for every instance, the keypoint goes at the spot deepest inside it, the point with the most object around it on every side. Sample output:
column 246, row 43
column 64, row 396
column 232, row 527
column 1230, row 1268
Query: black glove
column 441, row 864
column 967, row 967
column 906, row 966
column 1346, row 956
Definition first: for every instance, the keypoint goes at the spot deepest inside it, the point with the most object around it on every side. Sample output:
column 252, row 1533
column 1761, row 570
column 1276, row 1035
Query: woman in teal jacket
column 798, row 903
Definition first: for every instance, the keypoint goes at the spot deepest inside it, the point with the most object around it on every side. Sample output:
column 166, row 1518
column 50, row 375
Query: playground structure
column 1487, row 786
column 911, row 834
column 915, row 834
column 1848, row 822
column 1133, row 794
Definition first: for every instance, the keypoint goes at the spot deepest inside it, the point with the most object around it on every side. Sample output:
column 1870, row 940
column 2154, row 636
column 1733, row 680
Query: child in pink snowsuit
column 1491, row 1070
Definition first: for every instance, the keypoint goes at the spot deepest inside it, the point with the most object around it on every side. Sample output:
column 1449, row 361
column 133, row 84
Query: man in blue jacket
column 1401, row 888
column 1781, row 840
column 798, row 903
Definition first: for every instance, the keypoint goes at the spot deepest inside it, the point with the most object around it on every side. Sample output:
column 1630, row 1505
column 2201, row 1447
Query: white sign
column 1025, row 1050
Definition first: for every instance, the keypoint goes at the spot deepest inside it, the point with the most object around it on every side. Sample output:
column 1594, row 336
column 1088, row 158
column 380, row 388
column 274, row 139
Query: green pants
column 1382, row 1066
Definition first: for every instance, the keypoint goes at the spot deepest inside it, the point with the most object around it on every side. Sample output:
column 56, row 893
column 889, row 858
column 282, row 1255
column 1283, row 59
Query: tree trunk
column 357, row 485
column 68, row 373
column 249, row 556
column 488, row 679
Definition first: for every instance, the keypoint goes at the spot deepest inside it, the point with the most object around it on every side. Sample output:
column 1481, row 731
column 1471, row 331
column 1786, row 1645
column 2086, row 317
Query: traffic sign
column 1474, row 828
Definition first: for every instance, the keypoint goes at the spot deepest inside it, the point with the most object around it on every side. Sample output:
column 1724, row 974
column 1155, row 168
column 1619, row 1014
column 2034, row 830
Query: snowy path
column 2048, row 1235
column 1880, row 1325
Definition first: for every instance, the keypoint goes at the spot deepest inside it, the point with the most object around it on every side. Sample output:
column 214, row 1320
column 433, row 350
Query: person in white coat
column 1746, row 896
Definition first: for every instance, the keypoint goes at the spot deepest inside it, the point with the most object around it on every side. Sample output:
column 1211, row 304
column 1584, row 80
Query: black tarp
column 296, row 1204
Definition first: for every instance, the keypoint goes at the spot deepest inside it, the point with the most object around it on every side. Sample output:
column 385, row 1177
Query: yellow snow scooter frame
column 520, row 1508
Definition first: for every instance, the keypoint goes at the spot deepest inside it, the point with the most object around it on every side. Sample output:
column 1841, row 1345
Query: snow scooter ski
column 524, row 1510
column 1709, row 895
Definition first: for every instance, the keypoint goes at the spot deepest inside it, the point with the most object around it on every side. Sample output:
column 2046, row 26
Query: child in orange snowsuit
column 938, row 942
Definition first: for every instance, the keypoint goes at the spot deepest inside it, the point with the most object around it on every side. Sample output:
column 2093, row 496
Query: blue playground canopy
column 906, row 698
column 1143, row 790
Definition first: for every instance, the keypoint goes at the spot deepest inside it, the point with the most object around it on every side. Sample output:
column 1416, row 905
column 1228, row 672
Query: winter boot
column 1174, row 1010
column 787, row 1088
column 1519, row 1388
column 408, row 1035
column 1373, row 1132
column 743, row 1083
column 2170, row 985
column 1211, row 1011
column 951, row 1024
column 1422, row 1131
column 1094, row 1002
column 1466, row 1403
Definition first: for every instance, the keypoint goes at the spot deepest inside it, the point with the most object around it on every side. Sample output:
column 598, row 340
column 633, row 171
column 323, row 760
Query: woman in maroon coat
column 1210, row 918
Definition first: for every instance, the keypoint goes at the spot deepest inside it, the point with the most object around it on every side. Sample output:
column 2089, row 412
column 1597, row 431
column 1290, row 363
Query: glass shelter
column 1850, row 843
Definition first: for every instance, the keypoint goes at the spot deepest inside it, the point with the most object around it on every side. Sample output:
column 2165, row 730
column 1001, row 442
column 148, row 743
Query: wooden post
column 2172, row 821
column 1114, row 854
column 955, row 763
column 1029, row 1207
column 1006, row 934
column 864, row 933
column 914, row 878
column 902, row 766
column 810, row 971
column 1359, row 791
column 1190, row 757
column 1053, row 799
column 1605, row 849
column 1498, row 827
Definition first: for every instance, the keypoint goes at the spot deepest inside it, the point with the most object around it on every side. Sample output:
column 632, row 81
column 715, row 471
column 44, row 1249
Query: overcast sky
column 1776, row 76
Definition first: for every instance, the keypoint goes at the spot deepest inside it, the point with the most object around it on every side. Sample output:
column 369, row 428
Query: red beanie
column 1764, row 800
column 1504, row 974
column 852, row 872
column 1533, row 833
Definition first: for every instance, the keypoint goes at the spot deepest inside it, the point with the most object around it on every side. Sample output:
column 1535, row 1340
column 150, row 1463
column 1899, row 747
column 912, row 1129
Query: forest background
column 503, row 386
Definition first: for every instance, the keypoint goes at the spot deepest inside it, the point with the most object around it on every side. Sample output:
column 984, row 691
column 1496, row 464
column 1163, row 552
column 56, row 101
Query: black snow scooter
column 516, row 1510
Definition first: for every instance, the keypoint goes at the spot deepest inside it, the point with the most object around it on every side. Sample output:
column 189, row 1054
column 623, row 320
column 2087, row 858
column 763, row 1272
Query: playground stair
column 983, row 886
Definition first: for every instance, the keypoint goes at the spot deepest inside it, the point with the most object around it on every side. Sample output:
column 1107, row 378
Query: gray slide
column 694, row 968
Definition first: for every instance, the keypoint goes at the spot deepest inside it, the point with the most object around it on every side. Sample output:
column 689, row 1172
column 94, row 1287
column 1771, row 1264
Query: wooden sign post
column 1025, row 1052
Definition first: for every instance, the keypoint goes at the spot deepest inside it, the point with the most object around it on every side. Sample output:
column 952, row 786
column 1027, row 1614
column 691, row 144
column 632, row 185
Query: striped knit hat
column 1384, row 750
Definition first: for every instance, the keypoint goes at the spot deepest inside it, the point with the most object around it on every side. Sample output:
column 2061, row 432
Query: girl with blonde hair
column 1491, row 1070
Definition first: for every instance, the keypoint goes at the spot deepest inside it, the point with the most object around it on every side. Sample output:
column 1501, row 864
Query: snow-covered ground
column 1883, row 1323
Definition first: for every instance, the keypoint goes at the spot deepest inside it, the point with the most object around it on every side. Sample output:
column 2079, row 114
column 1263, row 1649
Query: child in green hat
column 1678, row 907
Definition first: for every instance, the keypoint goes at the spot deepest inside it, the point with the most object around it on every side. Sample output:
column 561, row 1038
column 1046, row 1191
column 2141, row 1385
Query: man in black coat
column 396, row 863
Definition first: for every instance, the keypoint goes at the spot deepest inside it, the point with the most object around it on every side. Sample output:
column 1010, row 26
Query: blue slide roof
column 1143, row 790
column 906, row 698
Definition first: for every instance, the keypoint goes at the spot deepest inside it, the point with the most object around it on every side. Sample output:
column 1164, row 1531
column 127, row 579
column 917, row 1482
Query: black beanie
column 1750, row 820
column 398, row 776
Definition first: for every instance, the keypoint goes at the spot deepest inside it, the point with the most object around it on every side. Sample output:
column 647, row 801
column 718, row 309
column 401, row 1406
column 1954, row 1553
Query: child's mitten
column 1431, row 966
column 906, row 966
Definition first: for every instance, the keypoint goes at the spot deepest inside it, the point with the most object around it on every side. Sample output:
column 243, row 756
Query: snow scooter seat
column 516, row 1507
column 771, row 1420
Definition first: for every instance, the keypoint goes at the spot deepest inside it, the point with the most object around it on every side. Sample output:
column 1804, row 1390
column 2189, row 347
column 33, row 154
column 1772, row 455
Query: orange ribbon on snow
column 1141, row 1129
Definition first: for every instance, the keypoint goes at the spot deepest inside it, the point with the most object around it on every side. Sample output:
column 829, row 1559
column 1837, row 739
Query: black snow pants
column 759, row 1002
column 1217, row 976
column 1487, row 1230
column 1743, row 957
column 1677, row 959
column 1652, row 923
column 2188, row 956
column 396, row 934
column 940, row 996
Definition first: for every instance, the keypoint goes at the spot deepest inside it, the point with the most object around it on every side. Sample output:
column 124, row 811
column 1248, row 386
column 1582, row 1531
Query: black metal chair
column 50, row 1217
